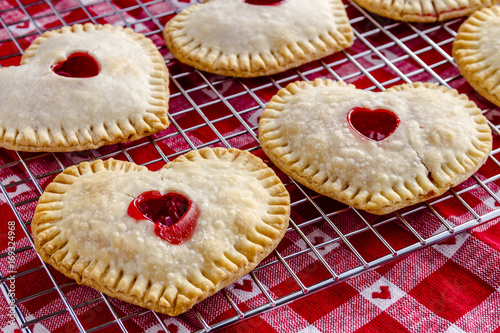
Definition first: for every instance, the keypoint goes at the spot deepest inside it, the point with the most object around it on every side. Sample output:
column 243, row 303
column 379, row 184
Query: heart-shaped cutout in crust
column 475, row 50
column 424, row 10
column 441, row 140
column 81, row 226
column 175, row 216
column 77, row 65
column 126, row 99
column 375, row 124
column 236, row 38
column 265, row 2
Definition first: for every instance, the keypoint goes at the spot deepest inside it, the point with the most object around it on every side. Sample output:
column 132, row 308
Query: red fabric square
column 490, row 236
column 451, row 291
column 382, row 323
column 368, row 245
column 317, row 305
column 312, row 273
column 385, row 268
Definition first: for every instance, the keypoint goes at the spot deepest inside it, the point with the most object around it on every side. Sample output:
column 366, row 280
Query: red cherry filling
column 78, row 65
column 375, row 124
column 264, row 2
column 173, row 214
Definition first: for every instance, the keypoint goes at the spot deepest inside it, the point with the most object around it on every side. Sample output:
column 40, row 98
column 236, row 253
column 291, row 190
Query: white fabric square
column 452, row 245
column 383, row 293
column 244, row 288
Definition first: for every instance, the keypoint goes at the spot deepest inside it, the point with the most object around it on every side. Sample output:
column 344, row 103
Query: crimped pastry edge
column 277, row 104
column 47, row 215
column 266, row 62
column 155, row 119
column 466, row 49
column 382, row 8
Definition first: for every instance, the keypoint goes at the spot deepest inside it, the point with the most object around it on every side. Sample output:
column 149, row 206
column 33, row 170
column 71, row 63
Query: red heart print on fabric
column 245, row 286
column 383, row 294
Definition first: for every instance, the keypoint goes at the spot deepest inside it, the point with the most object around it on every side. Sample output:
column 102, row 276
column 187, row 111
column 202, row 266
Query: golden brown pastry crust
column 424, row 11
column 475, row 50
column 441, row 140
column 82, row 229
column 233, row 38
column 126, row 101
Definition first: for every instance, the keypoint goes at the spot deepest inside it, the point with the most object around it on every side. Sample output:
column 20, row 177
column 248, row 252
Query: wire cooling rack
column 209, row 111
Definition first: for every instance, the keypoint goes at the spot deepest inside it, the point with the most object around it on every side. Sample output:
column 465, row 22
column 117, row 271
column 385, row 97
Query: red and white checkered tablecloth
column 450, row 287
column 453, row 286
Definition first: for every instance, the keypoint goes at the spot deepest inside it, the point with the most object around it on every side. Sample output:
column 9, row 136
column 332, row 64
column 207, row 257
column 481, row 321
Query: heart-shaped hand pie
column 375, row 151
column 163, row 240
column 248, row 38
column 424, row 10
column 475, row 50
column 82, row 87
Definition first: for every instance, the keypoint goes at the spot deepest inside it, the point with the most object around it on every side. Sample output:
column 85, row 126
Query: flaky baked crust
column 475, row 50
column 234, row 38
column 441, row 140
column 126, row 101
column 424, row 11
column 82, row 229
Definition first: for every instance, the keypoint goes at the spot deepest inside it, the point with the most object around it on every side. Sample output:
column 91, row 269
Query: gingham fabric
column 452, row 286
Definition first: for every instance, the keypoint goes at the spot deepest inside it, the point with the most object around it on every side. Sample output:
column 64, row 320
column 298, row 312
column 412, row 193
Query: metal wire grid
column 402, row 52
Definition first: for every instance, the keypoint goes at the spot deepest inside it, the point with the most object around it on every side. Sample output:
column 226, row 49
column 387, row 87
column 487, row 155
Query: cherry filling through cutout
column 265, row 2
column 77, row 65
column 375, row 124
column 174, row 215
